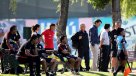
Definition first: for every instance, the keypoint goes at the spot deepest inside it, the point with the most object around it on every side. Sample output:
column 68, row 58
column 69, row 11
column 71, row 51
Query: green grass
column 90, row 73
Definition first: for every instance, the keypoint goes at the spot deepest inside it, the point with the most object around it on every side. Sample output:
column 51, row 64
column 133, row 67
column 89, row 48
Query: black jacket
column 84, row 42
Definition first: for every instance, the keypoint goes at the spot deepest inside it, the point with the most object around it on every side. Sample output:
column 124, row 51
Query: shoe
column 47, row 74
column 87, row 69
column 53, row 73
column 114, row 74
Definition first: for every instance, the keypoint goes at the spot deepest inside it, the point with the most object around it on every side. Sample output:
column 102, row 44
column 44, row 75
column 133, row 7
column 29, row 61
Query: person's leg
column 77, row 64
column 80, row 55
column 44, row 65
column 37, row 61
column 121, row 67
column 104, row 59
column 95, row 52
column 30, row 61
column 2, row 68
column 53, row 65
column 72, row 63
column 87, row 59
column 114, row 60
column 107, row 58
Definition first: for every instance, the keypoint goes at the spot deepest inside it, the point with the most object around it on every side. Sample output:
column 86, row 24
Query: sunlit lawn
column 90, row 73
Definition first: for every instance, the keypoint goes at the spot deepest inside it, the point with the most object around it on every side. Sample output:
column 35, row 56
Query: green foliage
column 71, row 3
column 128, row 8
column 98, row 4
column 13, row 6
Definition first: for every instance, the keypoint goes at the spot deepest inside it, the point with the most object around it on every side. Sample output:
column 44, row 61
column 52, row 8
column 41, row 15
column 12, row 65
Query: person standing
column 122, row 54
column 83, row 45
column 104, row 46
column 114, row 45
column 48, row 36
column 35, row 29
column 94, row 43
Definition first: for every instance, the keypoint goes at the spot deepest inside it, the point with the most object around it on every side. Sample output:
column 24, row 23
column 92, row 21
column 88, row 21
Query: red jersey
column 48, row 38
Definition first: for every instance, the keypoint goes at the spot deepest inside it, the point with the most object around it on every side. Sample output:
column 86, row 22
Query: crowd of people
column 32, row 52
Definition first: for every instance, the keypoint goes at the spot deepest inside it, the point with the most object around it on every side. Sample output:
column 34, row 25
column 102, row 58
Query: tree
column 119, row 7
column 100, row 4
column 128, row 8
column 62, row 22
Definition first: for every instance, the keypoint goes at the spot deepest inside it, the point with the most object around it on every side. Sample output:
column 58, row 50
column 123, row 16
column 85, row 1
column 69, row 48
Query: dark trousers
column 104, row 58
column 34, row 61
column 84, row 52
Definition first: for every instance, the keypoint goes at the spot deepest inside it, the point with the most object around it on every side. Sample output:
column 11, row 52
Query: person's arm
column 101, row 39
column 69, row 49
column 124, row 47
column 101, row 43
column 43, row 37
column 63, row 50
column 18, row 38
column 27, row 52
column 8, row 43
column 91, row 36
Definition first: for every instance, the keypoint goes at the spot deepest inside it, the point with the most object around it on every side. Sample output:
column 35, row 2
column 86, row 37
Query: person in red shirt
column 48, row 36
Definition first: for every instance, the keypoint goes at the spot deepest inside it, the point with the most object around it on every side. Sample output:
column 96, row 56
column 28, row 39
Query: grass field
column 90, row 73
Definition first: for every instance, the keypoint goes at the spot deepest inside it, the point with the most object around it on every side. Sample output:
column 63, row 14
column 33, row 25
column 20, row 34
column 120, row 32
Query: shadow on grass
column 100, row 74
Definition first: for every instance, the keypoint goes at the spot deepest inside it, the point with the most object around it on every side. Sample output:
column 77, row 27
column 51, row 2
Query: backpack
column 75, row 43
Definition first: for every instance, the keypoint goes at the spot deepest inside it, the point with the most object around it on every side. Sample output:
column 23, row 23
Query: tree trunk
column 62, row 22
column 116, row 12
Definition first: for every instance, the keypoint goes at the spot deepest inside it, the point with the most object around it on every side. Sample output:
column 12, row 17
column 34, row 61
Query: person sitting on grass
column 72, row 60
column 44, row 60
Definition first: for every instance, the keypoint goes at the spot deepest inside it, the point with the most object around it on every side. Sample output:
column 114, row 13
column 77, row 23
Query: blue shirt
column 120, row 42
column 93, row 35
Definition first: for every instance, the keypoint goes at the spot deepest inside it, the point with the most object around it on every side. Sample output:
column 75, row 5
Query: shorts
column 121, row 55
column 71, row 56
column 48, row 60
column 114, row 53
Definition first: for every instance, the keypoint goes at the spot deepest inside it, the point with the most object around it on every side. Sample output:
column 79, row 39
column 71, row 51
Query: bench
column 131, row 57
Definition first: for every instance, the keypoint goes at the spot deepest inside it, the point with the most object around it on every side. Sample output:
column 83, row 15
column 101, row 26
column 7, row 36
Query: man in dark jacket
column 83, row 45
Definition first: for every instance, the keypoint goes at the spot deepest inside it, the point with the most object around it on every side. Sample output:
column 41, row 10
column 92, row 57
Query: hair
column 39, row 35
column 12, row 28
column 52, row 25
column 34, row 28
column 106, row 26
column 62, row 38
column 98, row 20
column 33, row 37
column 119, row 31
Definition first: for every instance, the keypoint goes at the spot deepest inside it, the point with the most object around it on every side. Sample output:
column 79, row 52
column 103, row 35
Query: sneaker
column 114, row 74
column 47, row 74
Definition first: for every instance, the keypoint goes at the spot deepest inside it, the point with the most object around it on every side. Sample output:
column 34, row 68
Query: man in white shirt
column 105, row 49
